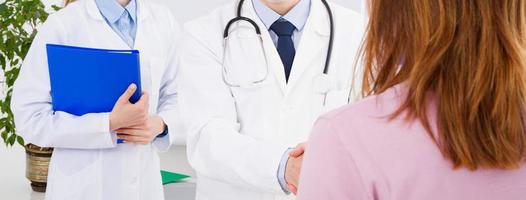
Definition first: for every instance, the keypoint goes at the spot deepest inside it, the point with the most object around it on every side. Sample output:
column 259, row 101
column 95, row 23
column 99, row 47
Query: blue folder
column 87, row 80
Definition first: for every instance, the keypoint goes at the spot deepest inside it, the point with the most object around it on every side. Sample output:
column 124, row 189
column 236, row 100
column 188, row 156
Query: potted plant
column 18, row 26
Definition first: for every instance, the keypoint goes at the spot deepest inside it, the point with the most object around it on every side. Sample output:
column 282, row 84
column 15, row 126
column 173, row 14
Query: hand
column 298, row 150
column 293, row 169
column 126, row 114
column 142, row 134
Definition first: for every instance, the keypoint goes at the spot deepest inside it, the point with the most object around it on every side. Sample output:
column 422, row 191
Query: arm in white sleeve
column 216, row 149
column 31, row 103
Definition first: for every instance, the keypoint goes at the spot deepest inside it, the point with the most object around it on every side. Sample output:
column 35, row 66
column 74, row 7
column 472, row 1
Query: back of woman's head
column 471, row 55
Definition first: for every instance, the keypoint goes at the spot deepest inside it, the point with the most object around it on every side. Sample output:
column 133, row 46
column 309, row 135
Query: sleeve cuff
column 281, row 171
column 163, row 143
column 105, row 129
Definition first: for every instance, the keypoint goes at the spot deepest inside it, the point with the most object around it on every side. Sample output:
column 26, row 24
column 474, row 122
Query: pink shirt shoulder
column 356, row 152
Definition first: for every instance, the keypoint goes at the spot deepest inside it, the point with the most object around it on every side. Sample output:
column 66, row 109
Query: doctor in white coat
column 242, row 121
column 87, row 164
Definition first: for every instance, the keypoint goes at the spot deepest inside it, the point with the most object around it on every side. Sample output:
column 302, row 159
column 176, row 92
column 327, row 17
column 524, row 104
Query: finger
column 298, row 151
column 125, row 97
column 131, row 128
column 129, row 131
column 293, row 189
column 144, row 100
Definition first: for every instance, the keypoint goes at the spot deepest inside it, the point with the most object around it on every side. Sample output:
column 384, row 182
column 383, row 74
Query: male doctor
column 239, row 135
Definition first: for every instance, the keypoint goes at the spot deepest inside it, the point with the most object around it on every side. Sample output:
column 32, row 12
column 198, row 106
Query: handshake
column 293, row 169
column 132, row 122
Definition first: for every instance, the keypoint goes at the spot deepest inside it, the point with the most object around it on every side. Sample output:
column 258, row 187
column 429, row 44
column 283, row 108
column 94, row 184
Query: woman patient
column 445, row 82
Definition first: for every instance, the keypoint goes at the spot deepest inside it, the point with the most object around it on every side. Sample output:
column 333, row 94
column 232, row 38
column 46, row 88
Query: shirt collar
column 112, row 11
column 297, row 16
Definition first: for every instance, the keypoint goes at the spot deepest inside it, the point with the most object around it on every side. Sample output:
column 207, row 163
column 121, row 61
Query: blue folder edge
column 93, row 49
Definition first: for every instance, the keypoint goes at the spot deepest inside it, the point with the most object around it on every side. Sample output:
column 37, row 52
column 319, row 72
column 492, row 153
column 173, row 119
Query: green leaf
column 20, row 140
column 2, row 61
column 56, row 8
column 11, row 139
column 4, row 135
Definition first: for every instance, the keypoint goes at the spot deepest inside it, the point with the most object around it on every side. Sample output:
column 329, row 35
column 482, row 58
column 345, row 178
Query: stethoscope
column 324, row 81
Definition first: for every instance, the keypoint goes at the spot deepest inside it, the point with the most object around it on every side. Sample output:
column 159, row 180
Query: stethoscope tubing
column 258, row 30
column 330, row 47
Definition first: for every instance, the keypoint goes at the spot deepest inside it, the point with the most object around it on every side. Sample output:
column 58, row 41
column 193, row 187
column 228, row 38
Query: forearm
column 62, row 130
column 217, row 150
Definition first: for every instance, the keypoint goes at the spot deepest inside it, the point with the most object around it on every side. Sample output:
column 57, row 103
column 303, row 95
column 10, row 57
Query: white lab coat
column 87, row 163
column 237, row 136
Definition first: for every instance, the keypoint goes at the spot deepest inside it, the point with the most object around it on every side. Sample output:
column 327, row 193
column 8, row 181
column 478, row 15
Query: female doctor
column 87, row 163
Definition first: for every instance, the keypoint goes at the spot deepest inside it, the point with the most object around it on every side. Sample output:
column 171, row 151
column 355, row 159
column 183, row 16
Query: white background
column 14, row 186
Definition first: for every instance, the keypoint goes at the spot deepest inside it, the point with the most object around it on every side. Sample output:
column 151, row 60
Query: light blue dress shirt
column 298, row 17
column 123, row 20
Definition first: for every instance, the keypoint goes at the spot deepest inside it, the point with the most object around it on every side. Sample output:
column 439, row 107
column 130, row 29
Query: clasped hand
column 132, row 122
column 293, row 169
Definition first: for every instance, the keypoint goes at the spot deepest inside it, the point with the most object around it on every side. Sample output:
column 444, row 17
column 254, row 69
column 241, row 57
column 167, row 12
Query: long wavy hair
column 470, row 55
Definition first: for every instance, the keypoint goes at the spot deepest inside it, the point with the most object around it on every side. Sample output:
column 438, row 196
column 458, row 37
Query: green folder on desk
column 170, row 177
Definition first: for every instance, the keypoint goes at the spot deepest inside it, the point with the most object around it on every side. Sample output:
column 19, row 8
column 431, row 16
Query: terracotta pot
column 37, row 164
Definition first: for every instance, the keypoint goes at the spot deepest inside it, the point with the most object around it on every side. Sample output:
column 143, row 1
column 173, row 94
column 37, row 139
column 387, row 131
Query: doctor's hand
column 292, row 171
column 298, row 150
column 144, row 133
column 127, row 114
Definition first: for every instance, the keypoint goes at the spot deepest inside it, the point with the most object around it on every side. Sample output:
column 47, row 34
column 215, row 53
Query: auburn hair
column 470, row 55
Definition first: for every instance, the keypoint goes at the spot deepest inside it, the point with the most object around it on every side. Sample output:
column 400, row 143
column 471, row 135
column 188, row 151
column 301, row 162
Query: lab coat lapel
column 142, row 44
column 313, row 44
column 275, row 64
column 142, row 14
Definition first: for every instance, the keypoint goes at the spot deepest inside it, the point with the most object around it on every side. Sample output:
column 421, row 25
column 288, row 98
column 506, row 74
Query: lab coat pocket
column 75, row 172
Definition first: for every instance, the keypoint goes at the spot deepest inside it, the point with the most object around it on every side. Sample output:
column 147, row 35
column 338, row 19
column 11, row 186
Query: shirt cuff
column 281, row 171
column 163, row 143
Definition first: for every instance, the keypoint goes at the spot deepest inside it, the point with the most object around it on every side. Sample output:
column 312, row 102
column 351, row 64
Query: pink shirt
column 356, row 153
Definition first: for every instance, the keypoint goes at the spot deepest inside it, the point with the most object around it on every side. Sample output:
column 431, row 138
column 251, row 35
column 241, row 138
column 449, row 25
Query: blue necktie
column 284, row 30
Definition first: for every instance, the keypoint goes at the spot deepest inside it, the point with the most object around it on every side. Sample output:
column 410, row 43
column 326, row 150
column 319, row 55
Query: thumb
column 125, row 97
column 144, row 100
column 293, row 189
column 298, row 151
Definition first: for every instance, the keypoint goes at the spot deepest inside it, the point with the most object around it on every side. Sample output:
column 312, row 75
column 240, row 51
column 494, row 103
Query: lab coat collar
column 298, row 15
column 319, row 18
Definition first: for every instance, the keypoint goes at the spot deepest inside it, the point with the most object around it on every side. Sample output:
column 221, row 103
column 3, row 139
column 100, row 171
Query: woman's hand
column 142, row 134
column 126, row 114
